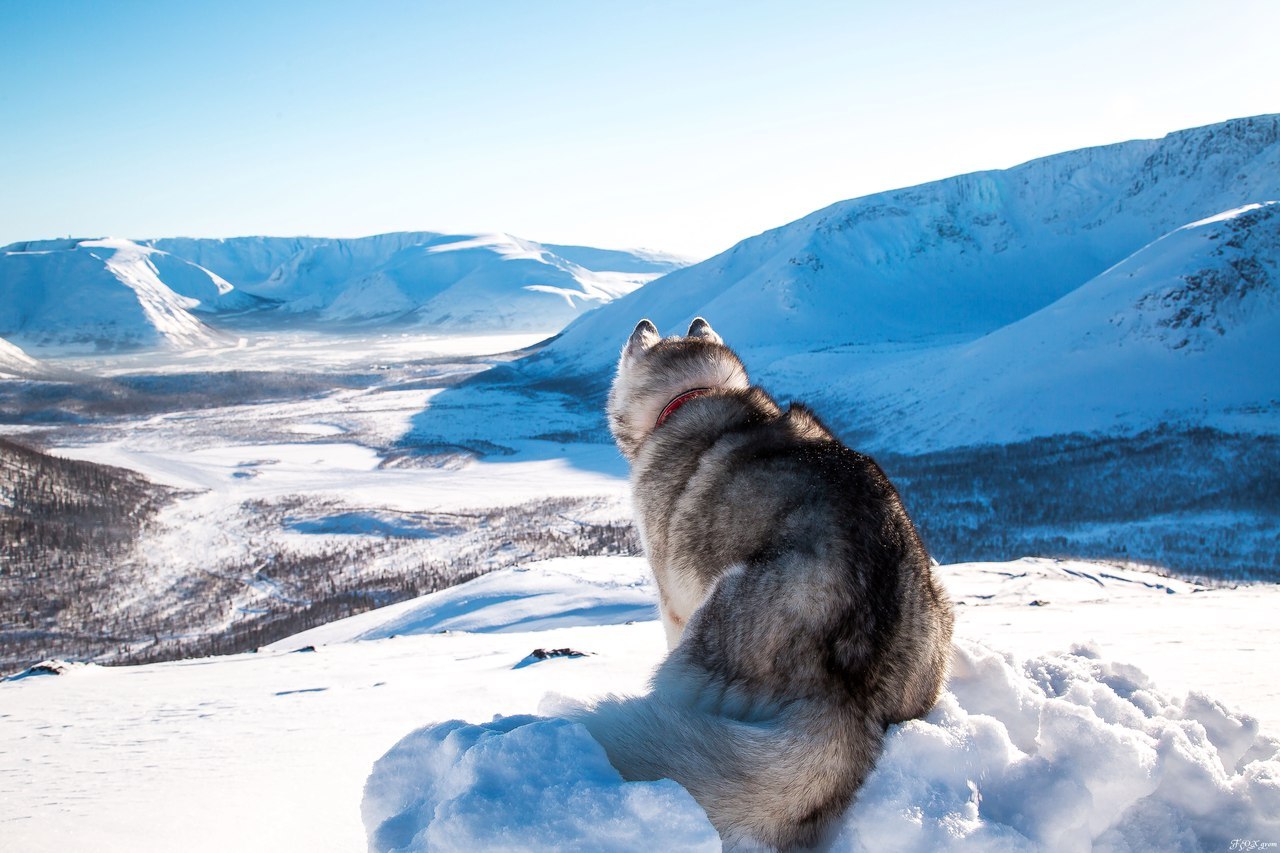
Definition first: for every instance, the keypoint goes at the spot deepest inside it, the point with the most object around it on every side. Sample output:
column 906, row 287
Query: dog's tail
column 773, row 783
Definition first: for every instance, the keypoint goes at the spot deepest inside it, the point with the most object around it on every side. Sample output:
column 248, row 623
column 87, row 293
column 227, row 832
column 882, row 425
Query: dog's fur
column 797, row 598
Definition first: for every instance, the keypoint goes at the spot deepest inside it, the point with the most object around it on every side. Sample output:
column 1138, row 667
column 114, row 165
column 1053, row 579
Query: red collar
column 678, row 402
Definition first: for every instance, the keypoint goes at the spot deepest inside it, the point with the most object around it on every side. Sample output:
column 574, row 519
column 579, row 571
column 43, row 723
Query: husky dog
column 796, row 595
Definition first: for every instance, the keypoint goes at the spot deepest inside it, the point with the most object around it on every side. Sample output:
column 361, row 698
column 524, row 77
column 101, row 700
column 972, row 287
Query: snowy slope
column 244, row 261
column 108, row 294
column 472, row 282
column 959, row 257
column 458, row 282
column 1063, row 745
column 554, row 594
column 1180, row 331
column 16, row 364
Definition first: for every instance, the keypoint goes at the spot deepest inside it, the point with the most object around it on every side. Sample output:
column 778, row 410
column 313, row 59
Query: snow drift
column 520, row 783
column 1065, row 752
column 1055, row 751
column 551, row 594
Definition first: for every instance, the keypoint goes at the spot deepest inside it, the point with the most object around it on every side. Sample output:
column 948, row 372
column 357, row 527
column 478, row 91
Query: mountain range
column 1121, row 285
column 183, row 293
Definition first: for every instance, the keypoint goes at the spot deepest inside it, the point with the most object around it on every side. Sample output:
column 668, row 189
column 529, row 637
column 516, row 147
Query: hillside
column 16, row 364
column 456, row 282
column 1174, row 334
column 67, row 533
column 954, row 258
column 109, row 294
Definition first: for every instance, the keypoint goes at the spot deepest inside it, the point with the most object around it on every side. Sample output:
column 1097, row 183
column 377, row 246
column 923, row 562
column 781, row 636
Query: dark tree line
column 72, row 583
column 1199, row 502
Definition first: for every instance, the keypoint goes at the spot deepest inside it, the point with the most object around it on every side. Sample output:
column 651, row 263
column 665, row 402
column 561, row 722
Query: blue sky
column 681, row 126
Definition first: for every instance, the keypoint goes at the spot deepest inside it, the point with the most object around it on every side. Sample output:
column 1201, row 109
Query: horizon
column 675, row 130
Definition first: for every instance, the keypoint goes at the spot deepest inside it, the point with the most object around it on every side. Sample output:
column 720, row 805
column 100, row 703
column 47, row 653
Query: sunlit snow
column 1037, row 743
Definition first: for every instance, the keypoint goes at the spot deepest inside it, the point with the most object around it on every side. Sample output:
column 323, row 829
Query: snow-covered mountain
column 118, row 294
column 244, row 261
column 16, row 364
column 109, row 294
column 292, row 267
column 1181, row 330
column 957, row 257
column 481, row 282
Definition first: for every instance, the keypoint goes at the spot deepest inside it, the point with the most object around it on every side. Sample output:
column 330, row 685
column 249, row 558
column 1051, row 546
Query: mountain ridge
column 65, row 293
column 960, row 256
column 1173, row 333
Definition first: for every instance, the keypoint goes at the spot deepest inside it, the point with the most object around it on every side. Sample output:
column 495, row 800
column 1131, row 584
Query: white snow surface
column 1043, row 740
column 553, row 594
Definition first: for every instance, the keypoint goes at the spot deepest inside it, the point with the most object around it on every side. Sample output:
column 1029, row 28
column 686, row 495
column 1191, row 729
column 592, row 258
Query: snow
column 1043, row 740
column 353, row 472
column 1059, row 753
column 66, row 294
column 519, row 782
column 1066, row 752
column 1158, row 338
column 16, row 364
column 555, row 594
column 107, row 294
column 879, row 305
column 458, row 282
column 308, row 350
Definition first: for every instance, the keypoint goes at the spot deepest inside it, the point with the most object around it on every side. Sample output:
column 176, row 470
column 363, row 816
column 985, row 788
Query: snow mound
column 52, row 666
column 1066, row 752
column 1062, row 752
column 519, row 782
column 567, row 592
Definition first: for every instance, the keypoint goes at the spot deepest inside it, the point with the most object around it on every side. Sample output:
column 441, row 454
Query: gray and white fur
column 797, row 598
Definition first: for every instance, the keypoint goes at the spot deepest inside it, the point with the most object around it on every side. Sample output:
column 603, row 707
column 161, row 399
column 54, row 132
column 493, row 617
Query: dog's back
column 815, row 620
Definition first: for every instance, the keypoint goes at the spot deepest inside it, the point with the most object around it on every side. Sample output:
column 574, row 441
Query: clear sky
column 683, row 126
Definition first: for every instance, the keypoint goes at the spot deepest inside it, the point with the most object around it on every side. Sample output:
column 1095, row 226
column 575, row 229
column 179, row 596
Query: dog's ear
column 644, row 336
column 700, row 328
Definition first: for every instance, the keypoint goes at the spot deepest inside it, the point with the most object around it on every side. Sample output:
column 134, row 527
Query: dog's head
column 654, row 370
